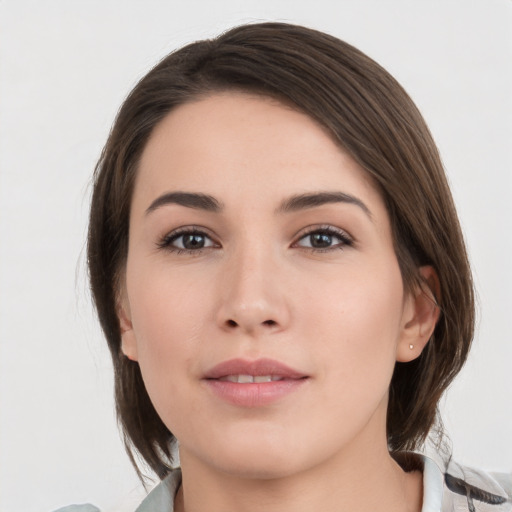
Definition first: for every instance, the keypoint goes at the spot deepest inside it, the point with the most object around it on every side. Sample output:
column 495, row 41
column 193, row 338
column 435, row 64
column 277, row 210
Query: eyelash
column 167, row 241
column 345, row 239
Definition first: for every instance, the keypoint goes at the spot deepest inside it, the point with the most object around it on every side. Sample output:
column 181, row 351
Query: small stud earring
column 411, row 346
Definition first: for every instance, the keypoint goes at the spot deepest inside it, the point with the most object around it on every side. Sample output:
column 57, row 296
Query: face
column 262, row 296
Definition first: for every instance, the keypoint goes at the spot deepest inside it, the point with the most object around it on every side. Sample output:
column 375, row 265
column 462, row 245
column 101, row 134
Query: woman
column 281, row 277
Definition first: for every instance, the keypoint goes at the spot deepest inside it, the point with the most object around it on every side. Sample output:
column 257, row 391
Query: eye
column 186, row 240
column 324, row 239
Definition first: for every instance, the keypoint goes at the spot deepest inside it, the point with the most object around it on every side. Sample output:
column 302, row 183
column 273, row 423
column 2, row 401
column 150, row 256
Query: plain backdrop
column 65, row 67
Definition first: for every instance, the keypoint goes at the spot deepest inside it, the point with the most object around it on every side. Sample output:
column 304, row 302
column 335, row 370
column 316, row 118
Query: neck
column 352, row 480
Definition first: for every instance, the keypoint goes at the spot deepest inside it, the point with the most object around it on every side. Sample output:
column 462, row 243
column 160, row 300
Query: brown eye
column 186, row 240
column 193, row 241
column 325, row 239
column 320, row 240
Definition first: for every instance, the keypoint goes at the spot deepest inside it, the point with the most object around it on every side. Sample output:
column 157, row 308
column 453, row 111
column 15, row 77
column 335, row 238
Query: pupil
column 321, row 240
column 193, row 241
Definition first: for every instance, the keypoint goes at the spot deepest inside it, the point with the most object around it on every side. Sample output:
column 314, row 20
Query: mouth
column 249, row 379
column 259, row 370
column 253, row 383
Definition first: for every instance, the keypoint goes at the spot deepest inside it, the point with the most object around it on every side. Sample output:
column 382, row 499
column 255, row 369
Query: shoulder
column 505, row 480
column 160, row 499
column 454, row 487
column 480, row 489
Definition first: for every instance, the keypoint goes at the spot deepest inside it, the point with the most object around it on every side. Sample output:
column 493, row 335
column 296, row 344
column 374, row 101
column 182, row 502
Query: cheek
column 167, row 320
column 167, row 316
column 356, row 323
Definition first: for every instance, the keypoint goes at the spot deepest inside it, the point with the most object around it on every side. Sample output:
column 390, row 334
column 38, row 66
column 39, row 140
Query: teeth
column 263, row 378
column 249, row 379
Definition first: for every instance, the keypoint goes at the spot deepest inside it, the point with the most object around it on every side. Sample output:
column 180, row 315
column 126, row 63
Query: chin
column 261, row 458
column 260, row 468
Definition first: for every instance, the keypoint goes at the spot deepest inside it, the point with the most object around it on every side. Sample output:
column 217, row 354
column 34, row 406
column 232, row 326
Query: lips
column 253, row 383
column 258, row 368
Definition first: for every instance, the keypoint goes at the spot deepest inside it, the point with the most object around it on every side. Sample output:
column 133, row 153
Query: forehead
column 236, row 145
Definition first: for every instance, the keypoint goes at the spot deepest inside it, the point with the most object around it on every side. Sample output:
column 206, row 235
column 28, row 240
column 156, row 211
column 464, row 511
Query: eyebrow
column 295, row 203
column 313, row 200
column 189, row 199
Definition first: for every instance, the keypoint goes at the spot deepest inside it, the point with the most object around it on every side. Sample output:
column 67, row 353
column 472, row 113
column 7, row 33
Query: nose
column 252, row 298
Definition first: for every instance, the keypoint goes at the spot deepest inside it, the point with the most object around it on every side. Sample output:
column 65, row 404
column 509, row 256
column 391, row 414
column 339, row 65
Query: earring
column 411, row 346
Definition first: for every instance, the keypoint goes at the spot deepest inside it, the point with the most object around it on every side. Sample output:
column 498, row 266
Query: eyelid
column 343, row 235
column 165, row 242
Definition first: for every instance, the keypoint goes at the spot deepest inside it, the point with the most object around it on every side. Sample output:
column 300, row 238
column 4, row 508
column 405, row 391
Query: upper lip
column 255, row 368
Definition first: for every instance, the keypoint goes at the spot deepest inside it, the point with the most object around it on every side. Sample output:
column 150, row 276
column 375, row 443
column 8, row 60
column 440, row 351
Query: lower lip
column 254, row 394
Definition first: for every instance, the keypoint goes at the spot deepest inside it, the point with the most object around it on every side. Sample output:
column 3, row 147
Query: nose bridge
column 252, row 296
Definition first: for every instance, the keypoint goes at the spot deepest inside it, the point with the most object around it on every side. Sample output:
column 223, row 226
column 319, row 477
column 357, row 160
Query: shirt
column 454, row 489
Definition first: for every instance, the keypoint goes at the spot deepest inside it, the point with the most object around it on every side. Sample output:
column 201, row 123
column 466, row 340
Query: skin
column 259, row 289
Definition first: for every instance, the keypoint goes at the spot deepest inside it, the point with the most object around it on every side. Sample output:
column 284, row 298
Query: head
column 364, row 112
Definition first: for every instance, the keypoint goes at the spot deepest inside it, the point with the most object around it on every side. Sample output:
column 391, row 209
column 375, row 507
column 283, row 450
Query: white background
column 65, row 68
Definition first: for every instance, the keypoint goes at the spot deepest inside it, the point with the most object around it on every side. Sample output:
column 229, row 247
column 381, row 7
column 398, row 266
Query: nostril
column 270, row 323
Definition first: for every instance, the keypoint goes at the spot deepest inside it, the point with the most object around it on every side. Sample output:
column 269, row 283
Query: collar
column 450, row 487
column 446, row 488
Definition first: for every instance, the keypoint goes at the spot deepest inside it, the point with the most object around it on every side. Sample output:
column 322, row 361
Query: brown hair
column 374, row 120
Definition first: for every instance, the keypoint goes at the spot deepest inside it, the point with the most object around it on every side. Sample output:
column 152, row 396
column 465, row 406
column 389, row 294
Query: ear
column 128, row 342
column 421, row 313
